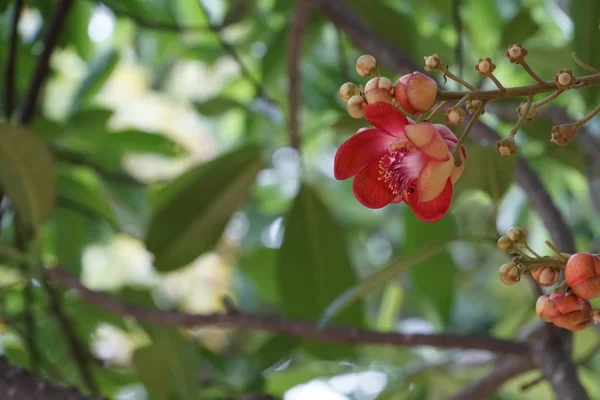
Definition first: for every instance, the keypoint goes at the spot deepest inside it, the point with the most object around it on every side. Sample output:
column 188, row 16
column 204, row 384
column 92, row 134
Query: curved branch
column 284, row 326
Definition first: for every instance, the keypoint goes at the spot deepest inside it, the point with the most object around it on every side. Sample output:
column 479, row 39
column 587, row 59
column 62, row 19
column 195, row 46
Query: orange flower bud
column 582, row 274
column 348, row 90
column 545, row 276
column 432, row 62
column 454, row 116
column 366, row 65
column 563, row 134
column 356, row 106
column 564, row 79
column 485, row 67
column 378, row 89
column 505, row 244
column 507, row 146
column 415, row 93
column 516, row 53
column 509, row 274
column 565, row 310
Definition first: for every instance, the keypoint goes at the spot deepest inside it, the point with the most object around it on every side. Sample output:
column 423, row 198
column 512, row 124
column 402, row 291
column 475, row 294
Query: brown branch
column 298, row 29
column 9, row 73
column 284, row 326
column 18, row 384
column 42, row 68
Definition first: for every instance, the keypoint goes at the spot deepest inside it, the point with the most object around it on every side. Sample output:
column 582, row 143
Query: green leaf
column 152, row 370
column 99, row 70
column 487, row 170
column 82, row 189
column 482, row 16
column 261, row 267
column 433, row 280
column 314, row 267
column 586, row 17
column 4, row 5
column 27, row 174
column 217, row 106
column 76, row 28
column 142, row 142
column 518, row 29
column 193, row 210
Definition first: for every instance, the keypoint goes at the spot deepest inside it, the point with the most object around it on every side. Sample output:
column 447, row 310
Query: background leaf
column 586, row 17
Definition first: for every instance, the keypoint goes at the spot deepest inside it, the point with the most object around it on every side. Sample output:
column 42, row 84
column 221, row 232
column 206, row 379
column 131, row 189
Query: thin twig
column 42, row 68
column 297, row 31
column 522, row 118
column 467, row 131
column 284, row 326
column 10, row 72
column 588, row 117
column 530, row 71
column 583, row 65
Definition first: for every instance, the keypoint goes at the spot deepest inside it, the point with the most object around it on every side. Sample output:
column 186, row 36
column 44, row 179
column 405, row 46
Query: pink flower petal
column 426, row 138
column 398, row 199
column 458, row 171
column 434, row 210
column 369, row 190
column 447, row 135
column 365, row 147
column 387, row 117
column 433, row 177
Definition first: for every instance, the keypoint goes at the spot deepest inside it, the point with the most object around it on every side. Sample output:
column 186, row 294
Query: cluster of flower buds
column 414, row 93
column 568, row 307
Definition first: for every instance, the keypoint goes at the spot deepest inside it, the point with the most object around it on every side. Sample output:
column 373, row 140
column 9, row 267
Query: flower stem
column 584, row 65
column 548, row 99
column 524, row 114
column 434, row 111
column 555, row 250
column 497, row 82
column 527, row 68
column 589, row 116
column 450, row 75
column 465, row 134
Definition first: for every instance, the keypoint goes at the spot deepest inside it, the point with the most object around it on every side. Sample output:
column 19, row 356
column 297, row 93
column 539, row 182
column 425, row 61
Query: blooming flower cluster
column 398, row 159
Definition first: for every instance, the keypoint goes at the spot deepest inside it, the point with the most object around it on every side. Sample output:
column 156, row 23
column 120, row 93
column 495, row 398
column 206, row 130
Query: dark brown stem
column 42, row 67
column 284, row 326
column 10, row 73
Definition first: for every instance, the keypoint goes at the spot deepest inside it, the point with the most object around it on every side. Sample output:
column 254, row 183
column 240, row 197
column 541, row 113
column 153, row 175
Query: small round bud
column 473, row 105
column 507, row 146
column 509, row 274
column 378, row 89
column 563, row 134
column 583, row 275
column 348, row 90
column 565, row 310
column 505, row 244
column 454, row 116
column 356, row 106
column 545, row 276
column 564, row 79
column 366, row 65
column 432, row 62
column 415, row 93
column 516, row 235
column 485, row 67
column 531, row 114
column 516, row 53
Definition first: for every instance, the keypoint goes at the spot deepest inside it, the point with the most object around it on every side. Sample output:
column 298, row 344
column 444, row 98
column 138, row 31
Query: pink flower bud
column 507, row 146
column 564, row 79
column 356, row 106
column 583, row 275
column 348, row 90
column 509, row 274
column 565, row 310
column 378, row 89
column 545, row 276
column 516, row 53
column 366, row 65
column 415, row 93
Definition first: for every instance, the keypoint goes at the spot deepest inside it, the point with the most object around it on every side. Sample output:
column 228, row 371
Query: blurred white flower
column 362, row 386
column 122, row 261
column 112, row 345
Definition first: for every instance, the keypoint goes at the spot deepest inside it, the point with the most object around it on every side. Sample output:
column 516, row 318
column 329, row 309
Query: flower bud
column 485, row 67
column 563, row 134
column 473, row 105
column 509, row 274
column 582, row 275
column 432, row 62
column 505, row 244
column 565, row 310
column 415, row 93
column 507, row 146
column 545, row 276
column 564, row 79
column 366, row 65
column 516, row 235
column 356, row 106
column 516, row 53
column 348, row 90
column 454, row 116
column 378, row 89
column 531, row 114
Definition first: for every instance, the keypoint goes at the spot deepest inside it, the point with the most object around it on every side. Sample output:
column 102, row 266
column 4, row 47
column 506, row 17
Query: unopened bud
column 432, row 62
column 563, row 134
column 378, row 89
column 540, row 306
column 415, row 93
column 531, row 114
column 545, row 276
column 454, row 116
column 516, row 235
column 516, row 53
column 348, row 90
column 505, row 244
column 366, row 65
column 485, row 67
column 507, row 146
column 473, row 105
column 509, row 274
column 564, row 79
column 356, row 106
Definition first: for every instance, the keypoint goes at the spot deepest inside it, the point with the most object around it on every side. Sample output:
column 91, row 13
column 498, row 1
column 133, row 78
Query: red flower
column 399, row 160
